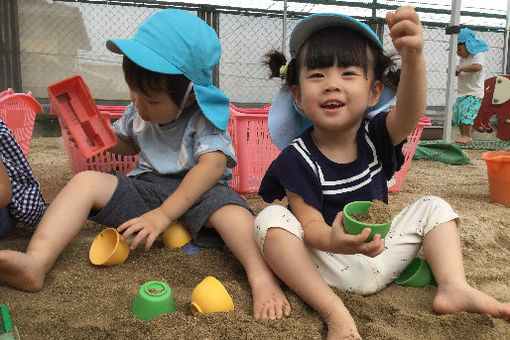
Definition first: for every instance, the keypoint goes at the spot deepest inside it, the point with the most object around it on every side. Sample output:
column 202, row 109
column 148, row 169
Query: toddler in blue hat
column 340, row 144
column 470, row 82
column 176, row 124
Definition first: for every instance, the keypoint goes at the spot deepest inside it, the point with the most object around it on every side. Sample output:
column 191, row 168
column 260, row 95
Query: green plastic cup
column 416, row 274
column 154, row 298
column 355, row 227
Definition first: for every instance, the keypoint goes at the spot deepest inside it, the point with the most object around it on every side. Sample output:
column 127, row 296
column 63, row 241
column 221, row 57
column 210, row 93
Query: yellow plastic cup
column 176, row 235
column 210, row 296
column 108, row 249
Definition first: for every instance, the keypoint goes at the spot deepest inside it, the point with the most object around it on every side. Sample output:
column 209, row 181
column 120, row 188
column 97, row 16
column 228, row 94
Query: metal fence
column 61, row 38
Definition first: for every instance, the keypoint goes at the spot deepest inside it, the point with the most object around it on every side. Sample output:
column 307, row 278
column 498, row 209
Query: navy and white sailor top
column 328, row 186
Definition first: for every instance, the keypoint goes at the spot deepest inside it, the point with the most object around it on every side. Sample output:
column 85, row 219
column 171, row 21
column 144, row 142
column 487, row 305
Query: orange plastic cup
column 176, row 235
column 498, row 171
column 108, row 249
column 210, row 296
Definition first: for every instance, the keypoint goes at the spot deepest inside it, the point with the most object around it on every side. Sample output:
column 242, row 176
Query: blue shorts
column 465, row 110
column 7, row 222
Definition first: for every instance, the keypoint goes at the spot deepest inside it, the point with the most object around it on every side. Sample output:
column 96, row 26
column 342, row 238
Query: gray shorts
column 137, row 195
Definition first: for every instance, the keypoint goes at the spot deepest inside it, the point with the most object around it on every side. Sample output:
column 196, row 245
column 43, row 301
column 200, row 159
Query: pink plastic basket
column 104, row 161
column 408, row 151
column 253, row 147
column 18, row 111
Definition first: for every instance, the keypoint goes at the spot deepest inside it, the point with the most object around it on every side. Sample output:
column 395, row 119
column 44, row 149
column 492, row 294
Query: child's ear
column 191, row 99
column 294, row 89
column 376, row 93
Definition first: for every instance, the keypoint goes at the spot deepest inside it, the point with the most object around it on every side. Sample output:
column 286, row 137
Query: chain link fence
column 60, row 39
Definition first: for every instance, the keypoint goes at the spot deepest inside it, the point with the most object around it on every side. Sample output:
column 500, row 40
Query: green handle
column 6, row 324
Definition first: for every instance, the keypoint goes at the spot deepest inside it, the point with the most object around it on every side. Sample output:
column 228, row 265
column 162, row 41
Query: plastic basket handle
column 5, row 322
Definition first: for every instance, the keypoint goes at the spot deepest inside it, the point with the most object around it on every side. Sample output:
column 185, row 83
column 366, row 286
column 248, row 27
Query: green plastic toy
column 7, row 330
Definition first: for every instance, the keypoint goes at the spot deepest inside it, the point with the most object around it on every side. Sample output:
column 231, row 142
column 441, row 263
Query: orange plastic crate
column 76, row 109
column 104, row 161
column 18, row 111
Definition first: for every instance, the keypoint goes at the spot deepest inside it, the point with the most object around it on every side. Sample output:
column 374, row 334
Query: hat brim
column 285, row 122
column 141, row 55
column 214, row 104
column 318, row 21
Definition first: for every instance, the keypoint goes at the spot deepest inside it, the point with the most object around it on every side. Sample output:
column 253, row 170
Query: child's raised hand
column 149, row 226
column 406, row 32
column 347, row 244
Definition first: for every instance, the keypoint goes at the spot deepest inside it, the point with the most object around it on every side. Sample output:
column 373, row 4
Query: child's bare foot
column 455, row 298
column 463, row 140
column 269, row 301
column 20, row 271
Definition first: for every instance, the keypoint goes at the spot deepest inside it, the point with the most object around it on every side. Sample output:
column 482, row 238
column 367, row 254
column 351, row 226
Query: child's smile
column 334, row 97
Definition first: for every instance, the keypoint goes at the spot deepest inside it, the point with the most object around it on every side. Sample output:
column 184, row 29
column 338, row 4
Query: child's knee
column 275, row 216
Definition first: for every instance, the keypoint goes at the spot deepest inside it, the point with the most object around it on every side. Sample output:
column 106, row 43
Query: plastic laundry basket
column 18, row 111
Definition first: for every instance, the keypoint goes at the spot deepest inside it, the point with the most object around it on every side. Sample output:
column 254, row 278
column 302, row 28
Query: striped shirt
column 27, row 204
column 328, row 186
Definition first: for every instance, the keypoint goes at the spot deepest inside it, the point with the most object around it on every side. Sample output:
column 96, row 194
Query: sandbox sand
column 82, row 301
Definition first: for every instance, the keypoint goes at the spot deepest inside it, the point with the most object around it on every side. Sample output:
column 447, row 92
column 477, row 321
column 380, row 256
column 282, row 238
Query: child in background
column 176, row 124
column 470, row 82
column 21, row 199
column 332, row 154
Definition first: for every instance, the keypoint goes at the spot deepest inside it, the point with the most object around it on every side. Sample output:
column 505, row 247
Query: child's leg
column 465, row 134
column 235, row 225
column 442, row 251
column 290, row 259
column 60, row 224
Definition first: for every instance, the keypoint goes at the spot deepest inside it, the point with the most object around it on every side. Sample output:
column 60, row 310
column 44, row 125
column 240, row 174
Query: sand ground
column 82, row 301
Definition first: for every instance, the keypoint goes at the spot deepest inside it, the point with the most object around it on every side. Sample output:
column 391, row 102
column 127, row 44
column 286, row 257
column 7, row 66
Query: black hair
column 139, row 78
column 336, row 44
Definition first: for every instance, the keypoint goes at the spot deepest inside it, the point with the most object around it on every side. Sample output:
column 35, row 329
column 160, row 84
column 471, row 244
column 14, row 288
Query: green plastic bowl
column 355, row 227
column 154, row 298
column 416, row 274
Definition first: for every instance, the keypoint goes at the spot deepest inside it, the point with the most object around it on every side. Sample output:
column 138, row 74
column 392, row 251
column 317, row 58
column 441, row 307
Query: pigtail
column 275, row 60
column 387, row 71
column 280, row 67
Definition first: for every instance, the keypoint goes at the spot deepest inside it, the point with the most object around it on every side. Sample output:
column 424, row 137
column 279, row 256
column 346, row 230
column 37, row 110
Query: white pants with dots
column 359, row 273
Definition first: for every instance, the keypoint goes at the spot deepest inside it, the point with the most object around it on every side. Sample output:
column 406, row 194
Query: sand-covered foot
column 463, row 140
column 269, row 301
column 464, row 298
column 20, row 271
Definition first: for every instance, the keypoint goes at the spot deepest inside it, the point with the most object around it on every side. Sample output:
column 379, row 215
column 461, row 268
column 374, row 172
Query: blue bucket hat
column 473, row 45
column 174, row 41
column 286, row 121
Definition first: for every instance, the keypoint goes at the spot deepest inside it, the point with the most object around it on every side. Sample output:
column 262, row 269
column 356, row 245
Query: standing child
column 337, row 76
column 176, row 124
column 21, row 199
column 470, row 82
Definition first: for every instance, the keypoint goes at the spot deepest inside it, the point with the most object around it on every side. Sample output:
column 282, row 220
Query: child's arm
column 406, row 33
column 468, row 68
column 202, row 177
column 332, row 239
column 5, row 186
column 124, row 147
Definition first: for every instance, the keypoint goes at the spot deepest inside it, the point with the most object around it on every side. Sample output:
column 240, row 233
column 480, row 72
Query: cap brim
column 318, row 21
column 284, row 122
column 142, row 55
column 214, row 104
